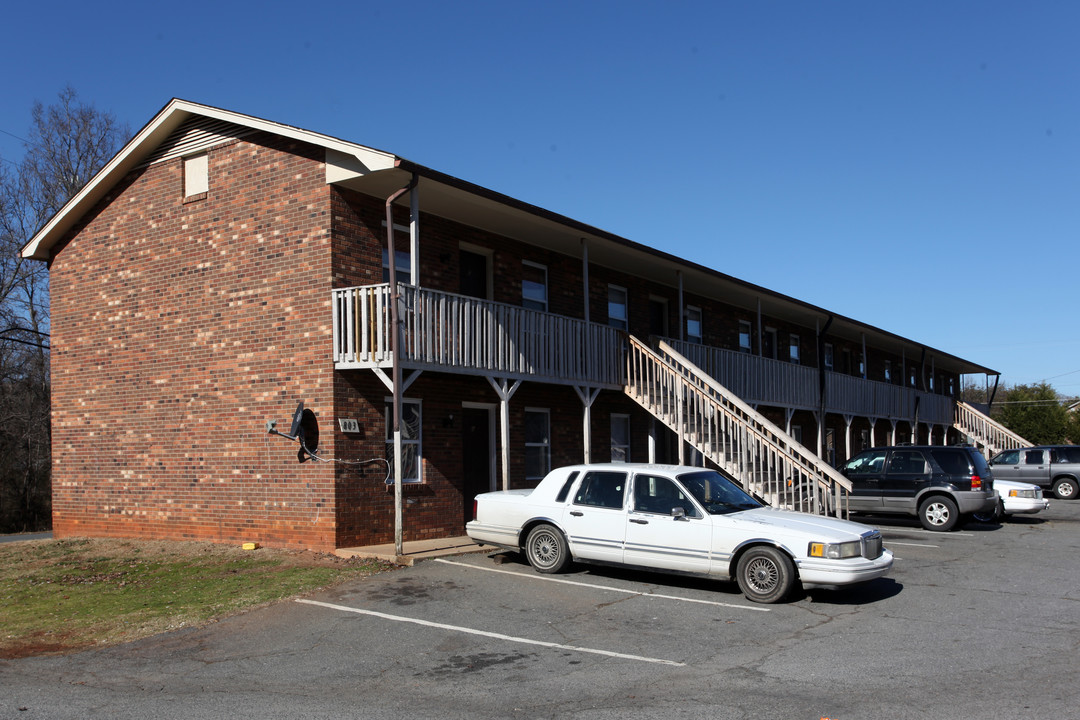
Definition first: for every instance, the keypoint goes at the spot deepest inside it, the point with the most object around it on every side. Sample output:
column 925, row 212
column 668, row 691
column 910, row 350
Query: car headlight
column 1029, row 494
column 836, row 551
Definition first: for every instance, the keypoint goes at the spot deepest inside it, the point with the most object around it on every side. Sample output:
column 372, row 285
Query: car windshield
column 716, row 493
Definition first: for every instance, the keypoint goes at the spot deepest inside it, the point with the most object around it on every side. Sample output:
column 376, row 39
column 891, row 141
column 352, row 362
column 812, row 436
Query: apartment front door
column 476, row 456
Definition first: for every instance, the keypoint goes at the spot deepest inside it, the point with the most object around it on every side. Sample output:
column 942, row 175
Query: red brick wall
column 178, row 331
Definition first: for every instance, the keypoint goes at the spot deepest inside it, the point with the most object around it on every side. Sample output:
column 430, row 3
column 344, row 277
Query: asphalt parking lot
column 980, row 623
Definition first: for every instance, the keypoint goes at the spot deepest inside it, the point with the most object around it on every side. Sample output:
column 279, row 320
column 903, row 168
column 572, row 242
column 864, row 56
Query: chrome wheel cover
column 762, row 575
column 544, row 549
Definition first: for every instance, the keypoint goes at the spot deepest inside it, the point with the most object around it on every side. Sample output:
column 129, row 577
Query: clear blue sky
column 914, row 165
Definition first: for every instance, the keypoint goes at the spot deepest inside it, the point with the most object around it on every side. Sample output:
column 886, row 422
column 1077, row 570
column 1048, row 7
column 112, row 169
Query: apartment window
column 402, row 266
column 196, row 176
column 888, row 371
column 952, row 387
column 537, row 443
column 617, row 307
column 693, row 324
column 911, row 376
column 410, row 440
column 744, row 336
column 796, row 433
column 862, row 365
column 534, row 291
column 620, row 438
column 829, row 356
column 793, row 349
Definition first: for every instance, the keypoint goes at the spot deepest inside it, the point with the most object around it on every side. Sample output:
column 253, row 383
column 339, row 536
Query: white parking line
column 485, row 633
column 919, row 531
column 913, row 545
column 532, row 576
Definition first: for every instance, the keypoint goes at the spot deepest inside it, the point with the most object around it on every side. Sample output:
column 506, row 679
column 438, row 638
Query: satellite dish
column 304, row 429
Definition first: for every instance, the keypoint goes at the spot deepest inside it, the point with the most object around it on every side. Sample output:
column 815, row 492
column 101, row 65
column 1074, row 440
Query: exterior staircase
column 765, row 460
column 989, row 436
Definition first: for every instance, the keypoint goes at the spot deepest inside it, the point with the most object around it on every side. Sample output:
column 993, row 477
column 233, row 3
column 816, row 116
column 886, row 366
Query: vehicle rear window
column 1067, row 455
column 982, row 468
column 565, row 489
column 954, row 462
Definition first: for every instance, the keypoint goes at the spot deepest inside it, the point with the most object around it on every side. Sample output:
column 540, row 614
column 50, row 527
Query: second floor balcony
column 465, row 335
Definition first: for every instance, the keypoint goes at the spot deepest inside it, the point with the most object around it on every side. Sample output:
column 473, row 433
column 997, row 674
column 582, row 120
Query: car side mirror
column 678, row 513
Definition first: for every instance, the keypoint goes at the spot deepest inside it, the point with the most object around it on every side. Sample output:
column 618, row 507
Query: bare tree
column 68, row 142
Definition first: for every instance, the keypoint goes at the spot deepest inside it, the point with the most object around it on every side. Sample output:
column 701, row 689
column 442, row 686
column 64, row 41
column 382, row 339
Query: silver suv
column 940, row 485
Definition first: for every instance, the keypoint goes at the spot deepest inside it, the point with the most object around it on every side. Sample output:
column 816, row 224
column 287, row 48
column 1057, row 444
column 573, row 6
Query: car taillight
column 976, row 482
column 474, row 504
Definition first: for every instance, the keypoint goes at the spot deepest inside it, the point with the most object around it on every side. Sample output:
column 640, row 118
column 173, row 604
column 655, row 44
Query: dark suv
column 941, row 485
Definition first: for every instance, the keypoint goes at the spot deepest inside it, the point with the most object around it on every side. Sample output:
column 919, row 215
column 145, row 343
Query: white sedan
column 675, row 518
column 1015, row 498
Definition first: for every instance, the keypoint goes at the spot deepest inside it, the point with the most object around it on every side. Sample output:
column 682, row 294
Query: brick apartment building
column 222, row 268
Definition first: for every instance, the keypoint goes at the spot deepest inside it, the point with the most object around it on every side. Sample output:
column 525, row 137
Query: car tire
column 546, row 549
column 938, row 513
column 765, row 574
column 1065, row 488
column 995, row 515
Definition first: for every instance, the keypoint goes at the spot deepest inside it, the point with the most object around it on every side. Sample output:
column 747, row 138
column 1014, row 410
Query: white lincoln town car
column 676, row 518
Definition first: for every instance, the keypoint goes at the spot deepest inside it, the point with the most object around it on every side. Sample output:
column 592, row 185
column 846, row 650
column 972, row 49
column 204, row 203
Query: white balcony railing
column 989, row 435
column 448, row 332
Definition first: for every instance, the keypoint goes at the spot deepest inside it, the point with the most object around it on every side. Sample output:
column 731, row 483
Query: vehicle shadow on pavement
column 863, row 593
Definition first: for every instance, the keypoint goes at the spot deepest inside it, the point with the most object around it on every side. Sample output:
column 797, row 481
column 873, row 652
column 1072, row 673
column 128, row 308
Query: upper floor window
column 196, row 176
column 793, row 348
column 744, row 336
column 534, row 290
column 618, row 315
column 829, row 356
column 862, row 365
column 693, row 324
column 402, row 266
column 888, row 371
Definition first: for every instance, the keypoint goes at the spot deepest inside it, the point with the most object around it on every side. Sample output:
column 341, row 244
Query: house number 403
column 349, row 425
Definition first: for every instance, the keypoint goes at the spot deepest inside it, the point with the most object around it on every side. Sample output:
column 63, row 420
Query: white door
column 595, row 521
column 655, row 537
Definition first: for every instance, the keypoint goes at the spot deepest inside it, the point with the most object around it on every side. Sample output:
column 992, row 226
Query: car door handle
column 639, row 522
column 576, row 513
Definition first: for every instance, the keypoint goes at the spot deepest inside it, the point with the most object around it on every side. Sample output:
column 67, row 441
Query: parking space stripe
column 914, row 545
column 485, row 633
column 604, row 587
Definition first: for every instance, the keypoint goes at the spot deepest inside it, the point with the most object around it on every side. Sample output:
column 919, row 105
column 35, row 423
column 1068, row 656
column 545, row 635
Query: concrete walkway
column 415, row 550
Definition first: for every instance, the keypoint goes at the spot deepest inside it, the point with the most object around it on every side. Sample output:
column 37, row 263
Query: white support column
column 652, row 439
column 588, row 397
column 893, row 440
column 414, row 236
column 682, row 307
column 848, row 419
column 585, row 275
column 788, row 414
column 505, row 391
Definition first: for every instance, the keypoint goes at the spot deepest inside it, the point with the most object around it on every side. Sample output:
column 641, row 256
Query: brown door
column 475, row 455
column 473, row 275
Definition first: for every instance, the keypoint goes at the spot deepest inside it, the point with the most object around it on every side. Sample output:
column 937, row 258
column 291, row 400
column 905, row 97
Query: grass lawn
column 76, row 593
